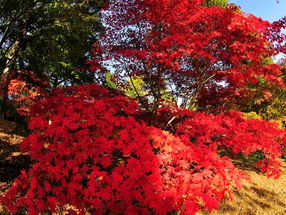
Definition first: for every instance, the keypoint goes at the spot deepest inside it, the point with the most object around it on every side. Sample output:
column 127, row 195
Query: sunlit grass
column 261, row 196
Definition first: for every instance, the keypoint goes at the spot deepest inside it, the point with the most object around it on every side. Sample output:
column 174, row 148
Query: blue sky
column 266, row 9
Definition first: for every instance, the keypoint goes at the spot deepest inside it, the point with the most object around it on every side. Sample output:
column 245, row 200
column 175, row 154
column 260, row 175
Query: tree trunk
column 4, row 93
column 5, row 80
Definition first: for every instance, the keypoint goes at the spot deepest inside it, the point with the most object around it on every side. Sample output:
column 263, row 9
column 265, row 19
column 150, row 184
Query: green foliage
column 135, row 83
column 109, row 81
column 252, row 115
column 251, row 159
column 267, row 61
column 49, row 37
column 220, row 3
column 276, row 109
column 136, row 87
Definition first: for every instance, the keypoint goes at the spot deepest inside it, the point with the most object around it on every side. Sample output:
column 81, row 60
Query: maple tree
column 264, row 97
column 201, row 55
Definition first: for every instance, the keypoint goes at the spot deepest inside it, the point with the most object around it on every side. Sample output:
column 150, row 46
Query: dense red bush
column 234, row 134
column 91, row 154
column 230, row 132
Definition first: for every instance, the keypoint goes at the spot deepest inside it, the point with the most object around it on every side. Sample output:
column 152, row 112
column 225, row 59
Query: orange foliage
column 22, row 95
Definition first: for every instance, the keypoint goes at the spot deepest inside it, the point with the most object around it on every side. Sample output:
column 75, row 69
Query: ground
column 11, row 160
column 261, row 196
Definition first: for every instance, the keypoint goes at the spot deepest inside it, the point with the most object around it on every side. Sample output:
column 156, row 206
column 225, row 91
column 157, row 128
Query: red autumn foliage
column 234, row 134
column 209, row 54
column 92, row 153
column 95, row 150
column 22, row 96
column 277, row 36
column 24, row 87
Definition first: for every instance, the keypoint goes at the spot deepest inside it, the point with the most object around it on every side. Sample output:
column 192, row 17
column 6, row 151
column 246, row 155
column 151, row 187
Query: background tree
column 50, row 38
column 266, row 99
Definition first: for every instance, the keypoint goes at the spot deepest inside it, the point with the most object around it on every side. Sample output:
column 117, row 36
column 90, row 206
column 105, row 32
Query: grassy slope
column 261, row 196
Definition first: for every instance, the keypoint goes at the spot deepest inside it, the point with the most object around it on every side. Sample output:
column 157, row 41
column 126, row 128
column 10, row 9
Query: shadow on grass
column 259, row 196
column 266, row 194
column 246, row 166
column 12, row 162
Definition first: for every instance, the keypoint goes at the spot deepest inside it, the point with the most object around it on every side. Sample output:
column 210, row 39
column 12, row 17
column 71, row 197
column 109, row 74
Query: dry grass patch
column 261, row 196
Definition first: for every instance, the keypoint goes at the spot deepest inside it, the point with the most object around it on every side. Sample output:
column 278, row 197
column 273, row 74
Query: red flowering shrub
column 92, row 154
